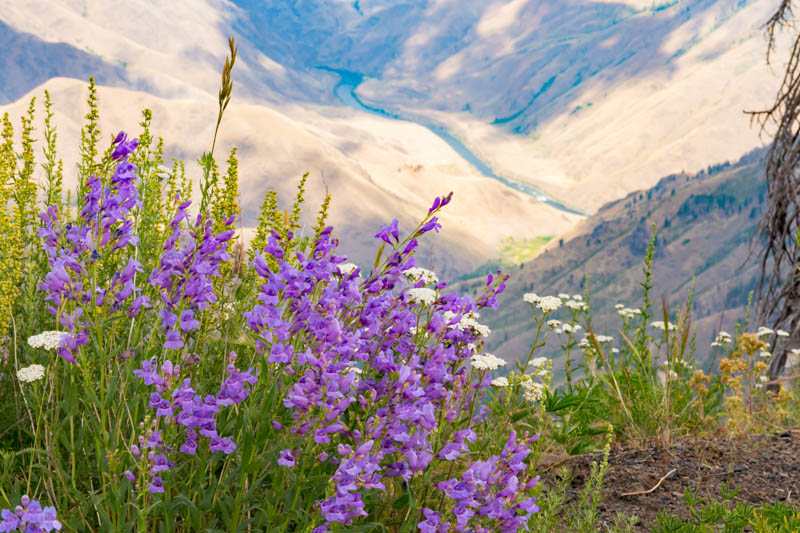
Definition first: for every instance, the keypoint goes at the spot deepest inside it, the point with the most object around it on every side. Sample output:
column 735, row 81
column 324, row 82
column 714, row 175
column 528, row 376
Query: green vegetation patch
column 515, row 251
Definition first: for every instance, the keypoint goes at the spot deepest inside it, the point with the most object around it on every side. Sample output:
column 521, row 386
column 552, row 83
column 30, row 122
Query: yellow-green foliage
column 178, row 186
column 322, row 216
column 225, row 202
column 293, row 220
column 90, row 136
column 284, row 223
column 53, row 167
column 10, row 218
column 24, row 186
column 151, row 219
column 270, row 218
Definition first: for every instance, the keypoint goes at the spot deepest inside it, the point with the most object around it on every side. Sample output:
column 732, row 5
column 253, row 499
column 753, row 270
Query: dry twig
column 660, row 481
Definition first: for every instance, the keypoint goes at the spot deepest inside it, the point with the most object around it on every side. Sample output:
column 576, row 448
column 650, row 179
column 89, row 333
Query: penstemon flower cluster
column 75, row 252
column 377, row 377
column 184, row 275
column 29, row 517
column 176, row 402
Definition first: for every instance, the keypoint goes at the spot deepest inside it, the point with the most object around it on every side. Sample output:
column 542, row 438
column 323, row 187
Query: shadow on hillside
column 27, row 62
column 526, row 73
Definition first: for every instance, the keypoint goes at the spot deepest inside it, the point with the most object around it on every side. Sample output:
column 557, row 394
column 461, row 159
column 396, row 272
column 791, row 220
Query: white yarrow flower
column 533, row 391
column 30, row 373
column 619, row 307
column 469, row 321
column 49, row 340
column 781, row 333
column 422, row 295
column 603, row 338
column 564, row 296
column 500, row 382
column 486, row 361
column 347, row 268
column 548, row 303
column 416, row 273
column 538, row 362
column 765, row 354
column 763, row 331
column 553, row 324
column 763, row 379
column 530, row 297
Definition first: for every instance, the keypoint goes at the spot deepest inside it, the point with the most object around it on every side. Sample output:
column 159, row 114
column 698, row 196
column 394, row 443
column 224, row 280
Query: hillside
column 704, row 224
column 585, row 100
column 377, row 175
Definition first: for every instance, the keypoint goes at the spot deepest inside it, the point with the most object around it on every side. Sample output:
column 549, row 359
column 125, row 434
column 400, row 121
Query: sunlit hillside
column 586, row 101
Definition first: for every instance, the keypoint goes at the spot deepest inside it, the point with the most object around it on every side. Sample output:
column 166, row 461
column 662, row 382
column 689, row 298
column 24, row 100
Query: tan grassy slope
column 375, row 169
column 607, row 95
column 704, row 226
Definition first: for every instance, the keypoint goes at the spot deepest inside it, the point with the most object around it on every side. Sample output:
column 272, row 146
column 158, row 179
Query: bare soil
column 765, row 469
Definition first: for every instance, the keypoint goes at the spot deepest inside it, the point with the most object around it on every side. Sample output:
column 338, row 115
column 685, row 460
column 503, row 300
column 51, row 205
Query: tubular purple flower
column 156, row 486
column 286, row 458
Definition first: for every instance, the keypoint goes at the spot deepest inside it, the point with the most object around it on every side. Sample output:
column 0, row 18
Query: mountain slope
column 373, row 173
column 704, row 227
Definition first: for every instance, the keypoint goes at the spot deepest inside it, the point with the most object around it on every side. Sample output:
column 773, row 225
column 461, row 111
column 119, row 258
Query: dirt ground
column 765, row 468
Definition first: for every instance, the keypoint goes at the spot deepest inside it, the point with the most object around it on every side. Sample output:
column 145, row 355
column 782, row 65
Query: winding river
column 345, row 91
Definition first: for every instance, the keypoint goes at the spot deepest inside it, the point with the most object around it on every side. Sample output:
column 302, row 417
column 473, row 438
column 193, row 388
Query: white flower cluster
column 545, row 303
column 49, row 340
column 627, row 313
column 723, row 338
column 548, row 303
column 469, row 320
column 765, row 354
column 764, row 331
column 533, row 391
column 347, row 268
column 568, row 329
column 422, row 295
column 781, row 333
column 30, row 373
column 486, row 361
column 659, row 324
column 500, row 382
column 576, row 304
column 416, row 273
column 585, row 344
column 604, row 338
column 540, row 366
column 553, row 324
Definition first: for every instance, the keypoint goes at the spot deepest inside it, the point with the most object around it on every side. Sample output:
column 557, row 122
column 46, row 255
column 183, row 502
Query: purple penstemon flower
column 176, row 401
column 102, row 230
column 191, row 259
column 29, row 517
column 350, row 349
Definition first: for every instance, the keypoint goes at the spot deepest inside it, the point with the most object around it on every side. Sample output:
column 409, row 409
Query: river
column 345, row 91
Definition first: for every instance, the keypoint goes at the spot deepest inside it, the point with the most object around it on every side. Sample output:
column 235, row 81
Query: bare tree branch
column 779, row 281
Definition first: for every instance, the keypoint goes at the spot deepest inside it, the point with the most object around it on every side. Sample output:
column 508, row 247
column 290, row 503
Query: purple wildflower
column 286, row 458
column 29, row 517
column 103, row 227
column 346, row 345
column 185, row 272
column 156, row 486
